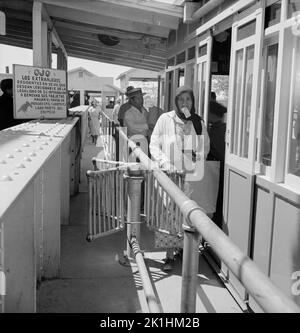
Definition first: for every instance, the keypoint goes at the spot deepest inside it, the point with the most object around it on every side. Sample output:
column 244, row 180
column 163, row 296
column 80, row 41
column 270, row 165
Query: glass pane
column 268, row 115
column 191, row 53
column 171, row 62
column 294, row 7
column 202, row 51
column 236, row 101
column 190, row 76
column 170, row 90
column 180, row 58
column 246, row 30
column 294, row 165
column 246, row 113
column 198, row 89
column 273, row 13
column 203, row 86
column 181, row 77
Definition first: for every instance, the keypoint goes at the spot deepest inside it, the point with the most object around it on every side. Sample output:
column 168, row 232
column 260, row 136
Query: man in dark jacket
column 217, row 131
column 6, row 105
column 124, row 107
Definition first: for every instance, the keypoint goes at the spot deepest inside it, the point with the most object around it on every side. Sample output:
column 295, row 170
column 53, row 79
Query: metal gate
column 162, row 214
column 107, row 205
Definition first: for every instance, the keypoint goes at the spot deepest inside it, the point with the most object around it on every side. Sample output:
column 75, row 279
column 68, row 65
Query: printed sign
column 39, row 93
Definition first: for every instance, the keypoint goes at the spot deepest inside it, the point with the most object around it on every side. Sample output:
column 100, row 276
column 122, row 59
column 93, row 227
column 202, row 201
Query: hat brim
column 136, row 94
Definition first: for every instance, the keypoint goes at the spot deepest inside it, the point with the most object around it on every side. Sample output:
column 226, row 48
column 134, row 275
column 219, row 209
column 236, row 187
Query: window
column 273, row 13
column 294, row 141
column 237, row 100
column 242, row 102
column 191, row 53
column 246, row 30
column 181, row 77
column 170, row 90
column 269, row 104
column 202, row 87
column 246, row 111
column 180, row 58
column 171, row 62
column 202, row 50
column 294, row 6
column 80, row 73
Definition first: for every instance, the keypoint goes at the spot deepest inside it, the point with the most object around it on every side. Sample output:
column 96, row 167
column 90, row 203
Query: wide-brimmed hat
column 134, row 92
column 128, row 89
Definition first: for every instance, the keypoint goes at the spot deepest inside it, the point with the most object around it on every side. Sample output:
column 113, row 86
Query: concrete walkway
column 93, row 281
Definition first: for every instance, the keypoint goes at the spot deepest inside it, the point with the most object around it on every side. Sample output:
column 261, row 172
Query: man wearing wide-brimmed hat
column 124, row 107
column 135, row 118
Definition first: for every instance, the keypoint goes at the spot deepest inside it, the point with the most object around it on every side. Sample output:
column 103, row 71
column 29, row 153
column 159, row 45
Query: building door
column 241, row 132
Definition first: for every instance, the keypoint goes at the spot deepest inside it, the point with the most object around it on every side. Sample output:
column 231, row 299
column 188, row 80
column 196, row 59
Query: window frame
column 246, row 164
column 269, row 40
column 291, row 180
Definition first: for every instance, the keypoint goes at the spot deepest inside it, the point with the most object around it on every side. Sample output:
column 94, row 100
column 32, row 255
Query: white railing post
column 134, row 179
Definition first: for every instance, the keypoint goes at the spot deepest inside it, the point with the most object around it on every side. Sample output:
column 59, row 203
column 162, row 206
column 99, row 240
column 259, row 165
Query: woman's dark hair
column 6, row 84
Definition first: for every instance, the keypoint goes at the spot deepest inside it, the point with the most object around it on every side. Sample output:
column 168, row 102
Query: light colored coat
column 136, row 122
column 166, row 148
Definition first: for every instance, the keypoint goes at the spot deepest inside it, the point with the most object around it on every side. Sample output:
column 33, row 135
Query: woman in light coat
column 180, row 142
column 94, row 120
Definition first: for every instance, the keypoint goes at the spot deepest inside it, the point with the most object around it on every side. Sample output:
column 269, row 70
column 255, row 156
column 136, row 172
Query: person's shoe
column 168, row 265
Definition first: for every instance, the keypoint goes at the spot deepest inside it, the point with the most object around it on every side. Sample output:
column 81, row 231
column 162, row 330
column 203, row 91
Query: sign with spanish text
column 39, row 93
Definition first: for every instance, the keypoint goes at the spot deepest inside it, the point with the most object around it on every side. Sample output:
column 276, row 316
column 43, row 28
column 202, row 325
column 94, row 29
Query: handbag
column 205, row 191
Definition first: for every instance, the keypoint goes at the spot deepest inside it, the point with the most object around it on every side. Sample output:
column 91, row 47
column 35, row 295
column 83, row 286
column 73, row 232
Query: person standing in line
column 217, row 132
column 116, row 124
column 135, row 118
column 153, row 113
column 167, row 149
column 124, row 107
column 7, row 105
column 94, row 120
column 116, row 111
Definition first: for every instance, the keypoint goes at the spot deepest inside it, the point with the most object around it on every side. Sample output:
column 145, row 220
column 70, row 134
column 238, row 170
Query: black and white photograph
column 149, row 161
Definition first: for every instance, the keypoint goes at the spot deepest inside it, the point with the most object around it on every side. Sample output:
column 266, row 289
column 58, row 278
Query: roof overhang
column 138, row 28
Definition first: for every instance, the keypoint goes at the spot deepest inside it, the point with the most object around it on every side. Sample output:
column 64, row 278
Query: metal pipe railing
column 146, row 282
column 259, row 286
column 134, row 179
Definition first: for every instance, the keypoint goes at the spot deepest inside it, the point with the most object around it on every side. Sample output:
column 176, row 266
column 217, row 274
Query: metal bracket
column 133, row 222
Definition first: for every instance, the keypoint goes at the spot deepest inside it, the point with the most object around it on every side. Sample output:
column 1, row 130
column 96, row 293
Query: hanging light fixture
column 108, row 40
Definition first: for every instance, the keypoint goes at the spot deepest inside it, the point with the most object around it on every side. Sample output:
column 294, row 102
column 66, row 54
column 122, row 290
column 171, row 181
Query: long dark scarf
column 196, row 120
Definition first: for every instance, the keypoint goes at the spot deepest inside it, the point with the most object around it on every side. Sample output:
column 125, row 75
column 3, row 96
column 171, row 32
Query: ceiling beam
column 116, row 11
column 93, row 40
column 109, row 55
column 88, row 28
column 116, row 61
column 96, row 19
column 18, row 42
column 146, row 6
column 93, row 47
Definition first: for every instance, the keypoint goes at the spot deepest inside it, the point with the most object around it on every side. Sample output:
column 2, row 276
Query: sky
column 10, row 55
